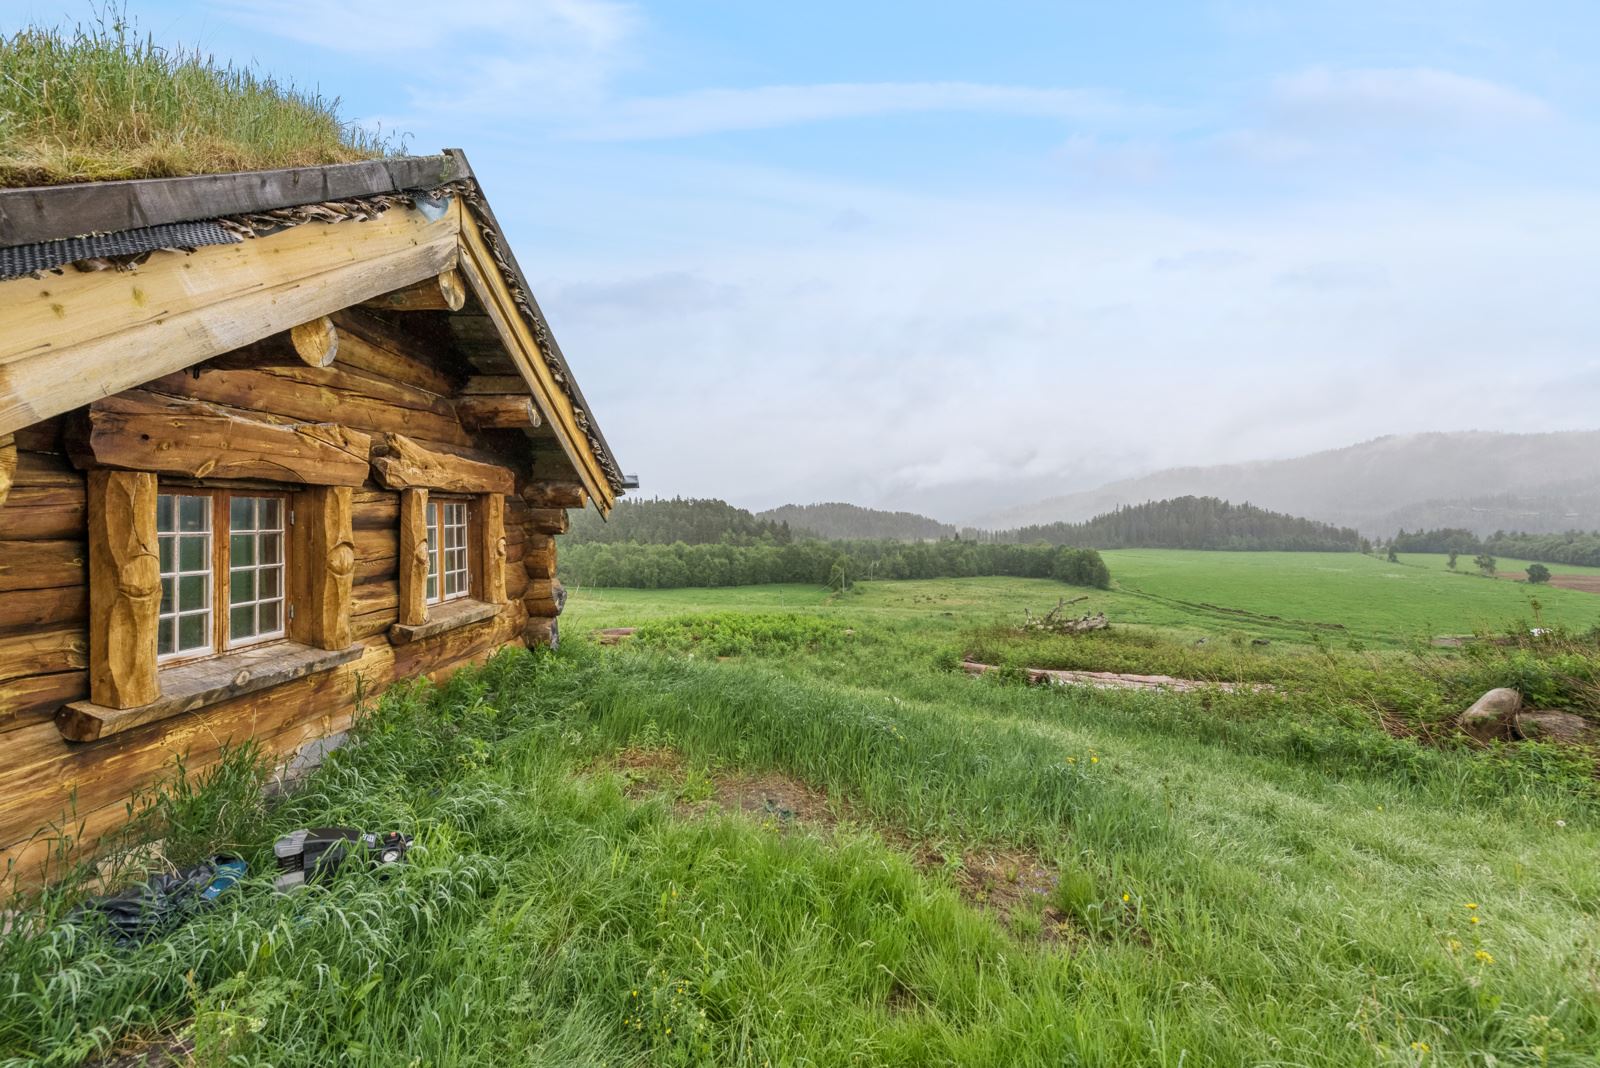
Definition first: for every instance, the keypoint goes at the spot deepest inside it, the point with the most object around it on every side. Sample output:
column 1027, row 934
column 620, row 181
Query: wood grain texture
column 445, row 292
column 124, row 588
column 325, row 552
column 413, row 559
column 146, row 431
column 202, row 683
column 70, row 339
column 373, row 344
column 398, row 462
column 444, row 617
column 489, row 522
column 8, row 465
column 315, row 342
column 41, row 565
column 540, row 494
column 497, row 411
column 43, row 513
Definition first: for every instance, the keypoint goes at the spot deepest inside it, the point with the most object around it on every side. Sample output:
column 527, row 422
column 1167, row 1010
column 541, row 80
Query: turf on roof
column 99, row 102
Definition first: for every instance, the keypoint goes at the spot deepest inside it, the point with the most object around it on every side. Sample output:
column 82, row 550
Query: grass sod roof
column 99, row 103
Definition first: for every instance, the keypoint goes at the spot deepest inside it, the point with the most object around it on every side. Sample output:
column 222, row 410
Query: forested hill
column 664, row 521
column 1191, row 523
column 837, row 521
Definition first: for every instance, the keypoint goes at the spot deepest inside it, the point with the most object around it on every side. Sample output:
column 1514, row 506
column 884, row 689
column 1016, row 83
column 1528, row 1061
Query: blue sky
column 952, row 257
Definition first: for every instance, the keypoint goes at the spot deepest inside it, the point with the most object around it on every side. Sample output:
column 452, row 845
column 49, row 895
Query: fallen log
column 1110, row 680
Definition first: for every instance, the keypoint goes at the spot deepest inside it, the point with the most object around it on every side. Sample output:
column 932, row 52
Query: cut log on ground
column 1110, row 680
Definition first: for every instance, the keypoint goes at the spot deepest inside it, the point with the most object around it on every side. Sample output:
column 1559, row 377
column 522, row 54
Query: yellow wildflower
column 1470, row 905
column 1421, row 1047
column 1482, row 957
column 1094, row 760
column 1125, row 897
column 1474, row 919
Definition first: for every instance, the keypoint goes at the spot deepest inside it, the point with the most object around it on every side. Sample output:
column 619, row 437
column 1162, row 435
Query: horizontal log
column 401, row 463
column 50, row 606
column 497, row 411
column 368, row 597
column 37, row 697
column 150, row 432
column 43, row 513
column 37, row 565
column 555, row 495
column 381, row 509
column 369, row 343
column 444, row 292
column 549, row 520
column 44, row 469
column 203, row 683
column 43, row 652
column 336, row 394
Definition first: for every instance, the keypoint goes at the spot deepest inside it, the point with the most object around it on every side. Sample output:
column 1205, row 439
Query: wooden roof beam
column 443, row 292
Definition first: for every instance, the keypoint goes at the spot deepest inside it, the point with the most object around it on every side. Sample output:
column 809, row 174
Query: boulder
column 1556, row 727
column 1492, row 716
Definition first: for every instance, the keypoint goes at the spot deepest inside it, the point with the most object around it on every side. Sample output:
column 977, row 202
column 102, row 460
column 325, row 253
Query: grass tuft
column 100, row 102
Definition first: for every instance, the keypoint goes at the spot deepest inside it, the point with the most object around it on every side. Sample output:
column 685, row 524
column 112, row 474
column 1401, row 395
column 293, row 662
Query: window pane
column 192, row 631
column 192, row 593
column 270, row 622
column 165, row 546
column 192, row 552
column 193, row 513
column 242, row 550
column 164, row 637
column 271, row 513
column 241, row 587
column 267, row 580
column 164, row 521
column 271, row 548
column 167, row 606
column 433, row 583
column 242, row 622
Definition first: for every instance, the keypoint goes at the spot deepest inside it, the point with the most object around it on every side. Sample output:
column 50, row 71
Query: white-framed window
column 223, row 571
column 449, row 574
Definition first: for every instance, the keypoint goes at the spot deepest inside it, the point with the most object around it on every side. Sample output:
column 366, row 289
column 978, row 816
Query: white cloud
column 707, row 111
column 1402, row 96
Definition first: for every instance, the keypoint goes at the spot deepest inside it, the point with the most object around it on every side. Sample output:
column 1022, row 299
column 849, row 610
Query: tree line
column 851, row 522
column 1192, row 523
column 832, row 563
column 1575, row 547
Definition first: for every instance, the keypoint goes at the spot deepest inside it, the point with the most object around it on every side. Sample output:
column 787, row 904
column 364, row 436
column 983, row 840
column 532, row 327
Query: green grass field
column 1190, row 593
column 774, row 828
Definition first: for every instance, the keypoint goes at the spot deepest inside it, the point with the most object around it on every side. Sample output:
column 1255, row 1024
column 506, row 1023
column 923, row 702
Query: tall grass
column 101, row 102
column 1230, row 907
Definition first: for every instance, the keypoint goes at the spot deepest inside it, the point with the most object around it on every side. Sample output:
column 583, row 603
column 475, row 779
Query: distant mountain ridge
column 1191, row 523
column 838, row 521
column 1480, row 480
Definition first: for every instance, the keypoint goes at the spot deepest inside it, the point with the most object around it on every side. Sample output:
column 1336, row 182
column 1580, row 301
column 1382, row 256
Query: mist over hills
column 1479, row 480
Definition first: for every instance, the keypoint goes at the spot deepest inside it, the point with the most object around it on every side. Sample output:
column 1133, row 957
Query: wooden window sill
column 443, row 617
column 204, row 682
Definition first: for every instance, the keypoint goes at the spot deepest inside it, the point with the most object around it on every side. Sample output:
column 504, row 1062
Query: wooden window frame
column 434, row 519
column 222, row 643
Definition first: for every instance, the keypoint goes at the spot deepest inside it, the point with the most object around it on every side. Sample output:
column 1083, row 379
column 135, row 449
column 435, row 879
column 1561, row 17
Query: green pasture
column 1339, row 597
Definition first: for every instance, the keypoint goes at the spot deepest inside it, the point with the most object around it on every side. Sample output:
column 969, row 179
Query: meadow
column 779, row 827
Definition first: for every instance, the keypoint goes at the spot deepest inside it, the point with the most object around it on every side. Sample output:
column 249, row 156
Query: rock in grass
column 1556, row 727
column 1492, row 716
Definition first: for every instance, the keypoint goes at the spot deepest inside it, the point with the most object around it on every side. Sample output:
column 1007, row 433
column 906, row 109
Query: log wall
column 390, row 385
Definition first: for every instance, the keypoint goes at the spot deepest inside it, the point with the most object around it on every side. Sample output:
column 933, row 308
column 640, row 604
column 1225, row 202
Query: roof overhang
column 70, row 338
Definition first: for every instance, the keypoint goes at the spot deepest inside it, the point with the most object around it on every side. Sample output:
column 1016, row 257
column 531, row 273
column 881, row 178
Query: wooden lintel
column 146, row 431
column 498, row 411
column 400, row 463
column 443, row 292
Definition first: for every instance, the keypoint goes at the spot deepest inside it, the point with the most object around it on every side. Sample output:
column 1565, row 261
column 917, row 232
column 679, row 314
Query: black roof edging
column 49, row 213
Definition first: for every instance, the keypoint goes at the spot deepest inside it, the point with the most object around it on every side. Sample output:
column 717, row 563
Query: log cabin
column 268, row 441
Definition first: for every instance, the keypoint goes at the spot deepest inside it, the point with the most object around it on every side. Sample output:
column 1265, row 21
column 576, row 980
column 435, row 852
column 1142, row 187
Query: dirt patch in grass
column 1581, row 583
column 1018, row 887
